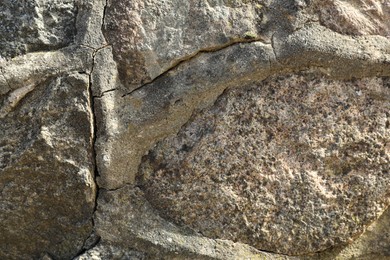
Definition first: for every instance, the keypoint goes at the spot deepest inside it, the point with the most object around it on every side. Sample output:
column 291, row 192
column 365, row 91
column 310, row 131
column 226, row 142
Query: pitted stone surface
column 293, row 165
column 32, row 25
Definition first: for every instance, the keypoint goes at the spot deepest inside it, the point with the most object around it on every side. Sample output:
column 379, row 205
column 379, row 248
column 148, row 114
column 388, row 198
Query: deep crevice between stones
column 87, row 246
column 91, row 102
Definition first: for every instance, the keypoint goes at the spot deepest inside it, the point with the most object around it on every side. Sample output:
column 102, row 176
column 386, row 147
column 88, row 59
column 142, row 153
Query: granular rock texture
column 294, row 165
column 149, row 37
column 33, row 25
column 271, row 119
column 356, row 17
column 47, row 191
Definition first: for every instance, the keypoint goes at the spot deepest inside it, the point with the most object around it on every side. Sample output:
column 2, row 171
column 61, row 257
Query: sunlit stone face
column 294, row 164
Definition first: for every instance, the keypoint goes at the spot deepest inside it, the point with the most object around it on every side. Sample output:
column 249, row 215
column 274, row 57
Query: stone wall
column 200, row 129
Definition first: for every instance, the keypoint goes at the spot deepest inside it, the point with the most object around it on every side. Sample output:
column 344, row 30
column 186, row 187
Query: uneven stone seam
column 224, row 91
column 104, row 92
column 215, row 240
column 76, row 16
column 91, row 99
column 93, row 141
column 67, row 66
column 197, row 54
column 273, row 47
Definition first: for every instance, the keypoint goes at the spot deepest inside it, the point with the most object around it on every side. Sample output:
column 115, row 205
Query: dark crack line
column 105, row 92
column 93, row 149
column 104, row 16
column 196, row 55
column 96, row 173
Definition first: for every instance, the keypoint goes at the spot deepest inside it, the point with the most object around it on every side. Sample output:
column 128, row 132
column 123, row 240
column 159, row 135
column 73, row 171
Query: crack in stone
column 104, row 16
column 197, row 54
column 91, row 99
column 93, row 150
column 14, row 98
column 104, row 92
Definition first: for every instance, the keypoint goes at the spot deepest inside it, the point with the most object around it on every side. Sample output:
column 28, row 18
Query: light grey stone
column 34, row 68
column 107, row 251
column 138, row 72
column 132, row 123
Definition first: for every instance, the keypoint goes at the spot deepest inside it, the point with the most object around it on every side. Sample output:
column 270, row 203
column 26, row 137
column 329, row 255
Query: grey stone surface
column 35, row 25
column 373, row 244
column 294, row 165
column 149, row 37
column 131, row 123
column 34, row 68
column 128, row 125
column 143, row 229
column 47, row 189
column 89, row 21
column 356, row 17
column 107, row 251
column 106, row 80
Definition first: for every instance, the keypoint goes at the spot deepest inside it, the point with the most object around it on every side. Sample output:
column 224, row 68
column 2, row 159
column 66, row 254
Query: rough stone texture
column 47, row 191
column 162, row 64
column 32, row 25
column 33, row 68
column 149, row 37
column 156, row 237
column 373, row 244
column 129, row 125
column 106, row 251
column 294, row 165
column 356, row 17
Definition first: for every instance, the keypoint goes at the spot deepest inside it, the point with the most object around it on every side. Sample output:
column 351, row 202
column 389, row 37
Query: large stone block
column 295, row 164
column 47, row 189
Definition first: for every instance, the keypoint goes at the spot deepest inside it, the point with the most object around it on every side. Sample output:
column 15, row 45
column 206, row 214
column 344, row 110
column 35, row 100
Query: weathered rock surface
column 149, row 37
column 47, row 190
column 294, row 165
column 356, row 17
column 107, row 251
column 35, row 25
column 136, row 120
column 216, row 84
column 373, row 244
column 156, row 237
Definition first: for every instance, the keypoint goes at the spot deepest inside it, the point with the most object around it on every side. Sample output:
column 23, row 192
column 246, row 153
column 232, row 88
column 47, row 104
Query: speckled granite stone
column 294, row 165
column 356, row 17
column 35, row 25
